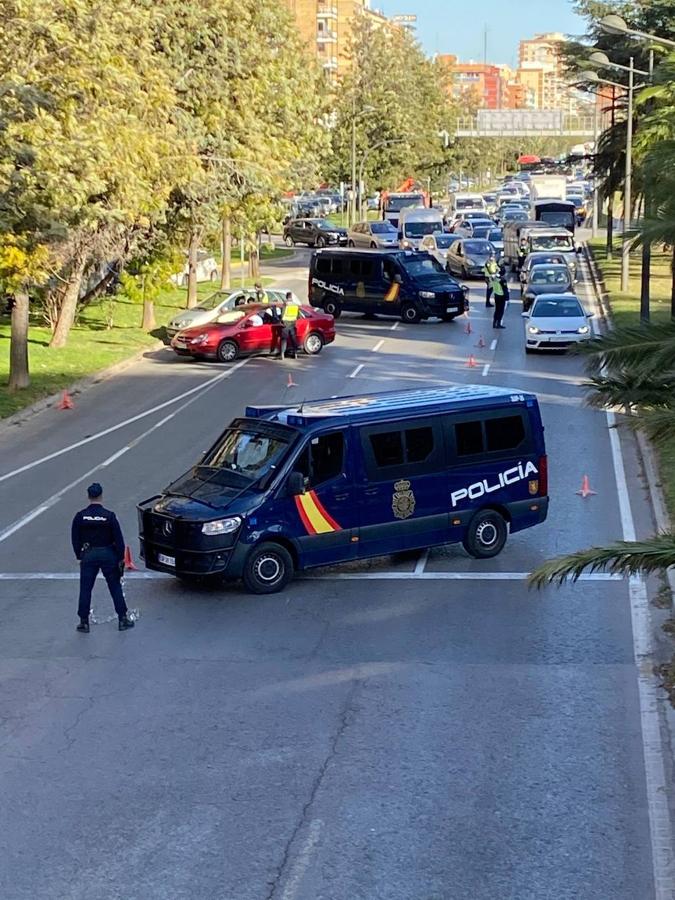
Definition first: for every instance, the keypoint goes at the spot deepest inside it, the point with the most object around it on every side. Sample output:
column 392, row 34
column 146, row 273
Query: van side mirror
column 398, row 279
column 296, row 484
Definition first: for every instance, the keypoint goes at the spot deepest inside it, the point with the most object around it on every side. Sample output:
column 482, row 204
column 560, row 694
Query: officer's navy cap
column 94, row 490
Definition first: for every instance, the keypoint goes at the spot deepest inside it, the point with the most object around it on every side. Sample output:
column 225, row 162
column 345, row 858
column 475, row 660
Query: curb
column 645, row 447
column 19, row 417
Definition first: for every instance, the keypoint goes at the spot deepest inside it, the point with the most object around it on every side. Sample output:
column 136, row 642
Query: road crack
column 343, row 724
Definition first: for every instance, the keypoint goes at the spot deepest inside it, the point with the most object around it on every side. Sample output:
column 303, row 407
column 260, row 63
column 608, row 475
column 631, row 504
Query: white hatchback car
column 556, row 322
column 207, row 270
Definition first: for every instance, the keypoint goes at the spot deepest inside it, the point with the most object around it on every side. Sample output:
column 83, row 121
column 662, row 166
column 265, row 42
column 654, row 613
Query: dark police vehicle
column 288, row 488
column 402, row 283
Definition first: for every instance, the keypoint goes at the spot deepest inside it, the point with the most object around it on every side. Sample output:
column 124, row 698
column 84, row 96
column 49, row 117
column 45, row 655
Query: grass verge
column 106, row 333
column 625, row 307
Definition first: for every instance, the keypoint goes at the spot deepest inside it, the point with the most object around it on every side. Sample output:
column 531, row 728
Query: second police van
column 285, row 489
column 403, row 283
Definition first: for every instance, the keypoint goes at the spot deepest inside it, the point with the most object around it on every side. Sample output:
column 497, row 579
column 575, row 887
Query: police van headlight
column 532, row 329
column 427, row 295
column 221, row 526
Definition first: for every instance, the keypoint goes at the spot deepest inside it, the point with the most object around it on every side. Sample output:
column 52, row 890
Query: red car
column 249, row 329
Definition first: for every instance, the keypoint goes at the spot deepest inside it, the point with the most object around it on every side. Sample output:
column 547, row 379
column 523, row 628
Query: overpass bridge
column 508, row 123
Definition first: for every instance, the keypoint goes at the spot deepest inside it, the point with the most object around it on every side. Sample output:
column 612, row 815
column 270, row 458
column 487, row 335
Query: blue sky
column 456, row 26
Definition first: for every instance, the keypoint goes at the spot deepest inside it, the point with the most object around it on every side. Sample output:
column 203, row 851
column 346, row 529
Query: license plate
column 166, row 560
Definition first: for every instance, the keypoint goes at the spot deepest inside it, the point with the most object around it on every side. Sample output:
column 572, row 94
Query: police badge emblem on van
column 403, row 501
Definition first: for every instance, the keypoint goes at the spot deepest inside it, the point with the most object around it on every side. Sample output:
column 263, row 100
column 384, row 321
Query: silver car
column 438, row 245
column 556, row 322
column 375, row 235
column 217, row 303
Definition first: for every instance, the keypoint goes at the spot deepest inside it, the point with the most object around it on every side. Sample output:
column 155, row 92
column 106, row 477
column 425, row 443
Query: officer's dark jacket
column 98, row 527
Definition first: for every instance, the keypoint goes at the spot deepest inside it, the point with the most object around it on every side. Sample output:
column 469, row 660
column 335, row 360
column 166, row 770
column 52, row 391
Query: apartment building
column 479, row 81
column 327, row 27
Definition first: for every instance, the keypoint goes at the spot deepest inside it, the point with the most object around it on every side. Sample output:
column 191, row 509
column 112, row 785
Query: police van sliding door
column 491, row 457
column 403, row 485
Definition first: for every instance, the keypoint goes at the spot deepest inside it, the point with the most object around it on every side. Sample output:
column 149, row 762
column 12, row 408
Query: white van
column 461, row 202
column 416, row 224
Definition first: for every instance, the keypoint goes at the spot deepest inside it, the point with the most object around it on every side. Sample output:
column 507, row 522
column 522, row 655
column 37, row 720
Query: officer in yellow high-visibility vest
column 289, row 316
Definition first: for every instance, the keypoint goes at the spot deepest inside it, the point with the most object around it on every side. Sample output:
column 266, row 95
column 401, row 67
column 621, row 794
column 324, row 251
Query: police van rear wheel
column 313, row 343
column 486, row 535
column 268, row 569
column 331, row 307
column 410, row 314
column 227, row 351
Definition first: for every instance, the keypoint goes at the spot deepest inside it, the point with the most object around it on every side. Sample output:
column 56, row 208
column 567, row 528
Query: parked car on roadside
column 217, row 303
column 207, row 269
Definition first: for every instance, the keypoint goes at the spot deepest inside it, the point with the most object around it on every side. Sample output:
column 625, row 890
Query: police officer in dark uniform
column 99, row 546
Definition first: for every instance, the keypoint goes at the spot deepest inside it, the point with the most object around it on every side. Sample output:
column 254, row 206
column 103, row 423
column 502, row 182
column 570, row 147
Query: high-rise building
column 480, row 81
column 327, row 27
column 542, row 71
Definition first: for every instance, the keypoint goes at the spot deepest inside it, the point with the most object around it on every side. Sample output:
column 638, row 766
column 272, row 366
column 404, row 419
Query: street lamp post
column 613, row 24
column 364, row 112
column 596, row 131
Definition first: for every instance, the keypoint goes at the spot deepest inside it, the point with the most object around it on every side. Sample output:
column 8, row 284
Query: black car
column 547, row 279
column 314, row 233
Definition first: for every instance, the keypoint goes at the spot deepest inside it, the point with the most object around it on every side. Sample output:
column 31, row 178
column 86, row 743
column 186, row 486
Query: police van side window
column 322, row 459
column 469, row 438
column 323, row 266
column 504, row 433
column 336, row 266
column 387, row 448
column 403, row 451
column 493, row 434
column 355, row 268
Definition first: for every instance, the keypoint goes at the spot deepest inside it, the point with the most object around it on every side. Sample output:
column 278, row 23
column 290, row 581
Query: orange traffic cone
column 471, row 363
column 129, row 564
column 66, row 402
column 290, row 383
column 468, row 329
column 481, row 342
column 586, row 488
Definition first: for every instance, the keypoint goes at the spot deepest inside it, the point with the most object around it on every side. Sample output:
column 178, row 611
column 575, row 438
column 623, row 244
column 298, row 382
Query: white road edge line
column 377, row 346
column 50, row 501
column 421, row 563
column 493, row 345
column 148, row 412
column 417, row 575
column 660, row 825
column 301, row 864
column 486, row 369
column 356, row 371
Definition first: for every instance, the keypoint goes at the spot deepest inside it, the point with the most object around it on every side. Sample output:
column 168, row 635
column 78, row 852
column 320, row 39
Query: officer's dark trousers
column 500, row 306
column 289, row 340
column 488, row 291
column 101, row 559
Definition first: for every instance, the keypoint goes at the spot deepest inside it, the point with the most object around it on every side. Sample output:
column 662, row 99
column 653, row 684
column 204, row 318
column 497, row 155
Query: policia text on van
column 402, row 283
column 286, row 489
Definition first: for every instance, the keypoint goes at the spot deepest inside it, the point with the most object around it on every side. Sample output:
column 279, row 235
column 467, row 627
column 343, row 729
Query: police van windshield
column 247, row 453
column 419, row 266
column 551, row 242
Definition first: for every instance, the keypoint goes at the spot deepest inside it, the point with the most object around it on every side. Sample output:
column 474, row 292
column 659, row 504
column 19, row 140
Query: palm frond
column 643, row 347
column 628, row 388
column 654, row 554
column 659, row 424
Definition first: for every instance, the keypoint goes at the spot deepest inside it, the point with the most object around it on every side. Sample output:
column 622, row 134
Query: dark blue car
column 288, row 488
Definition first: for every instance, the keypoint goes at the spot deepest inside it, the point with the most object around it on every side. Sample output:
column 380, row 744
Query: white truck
column 417, row 223
column 548, row 187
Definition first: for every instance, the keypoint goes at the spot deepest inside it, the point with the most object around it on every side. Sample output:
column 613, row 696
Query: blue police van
column 285, row 489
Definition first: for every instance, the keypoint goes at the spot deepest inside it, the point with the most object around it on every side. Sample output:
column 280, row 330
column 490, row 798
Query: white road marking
column 395, row 326
column 486, row 369
column 421, row 563
column 148, row 412
column 51, row 501
column 356, row 371
column 336, row 576
column 301, row 864
column 377, row 346
column 493, row 345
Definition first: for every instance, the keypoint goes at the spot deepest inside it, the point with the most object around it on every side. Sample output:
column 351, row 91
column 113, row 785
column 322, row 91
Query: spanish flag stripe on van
column 314, row 516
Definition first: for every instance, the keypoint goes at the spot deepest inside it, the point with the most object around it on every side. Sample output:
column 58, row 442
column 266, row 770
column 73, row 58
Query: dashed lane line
column 486, row 369
column 378, row 346
column 356, row 371
column 493, row 345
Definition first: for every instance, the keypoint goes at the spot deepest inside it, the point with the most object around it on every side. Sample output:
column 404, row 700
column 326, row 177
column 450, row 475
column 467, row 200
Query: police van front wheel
column 331, row 307
column 410, row 313
column 268, row 569
column 486, row 535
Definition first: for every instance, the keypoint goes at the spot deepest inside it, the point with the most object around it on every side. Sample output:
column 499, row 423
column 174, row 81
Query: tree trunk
column 645, row 274
column 148, row 323
column 672, row 288
column 610, row 227
column 69, row 301
column 226, row 267
column 193, row 247
column 254, row 256
column 18, row 348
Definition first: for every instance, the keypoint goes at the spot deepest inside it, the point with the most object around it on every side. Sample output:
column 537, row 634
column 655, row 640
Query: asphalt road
column 413, row 728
